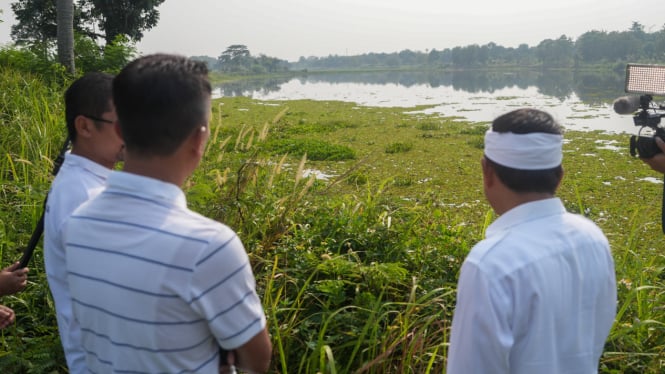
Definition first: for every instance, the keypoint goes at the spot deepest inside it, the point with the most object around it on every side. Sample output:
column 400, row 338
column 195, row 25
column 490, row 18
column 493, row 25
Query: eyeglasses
column 97, row 119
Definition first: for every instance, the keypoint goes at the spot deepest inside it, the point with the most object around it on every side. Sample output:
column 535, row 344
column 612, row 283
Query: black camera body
column 646, row 80
column 645, row 146
column 649, row 117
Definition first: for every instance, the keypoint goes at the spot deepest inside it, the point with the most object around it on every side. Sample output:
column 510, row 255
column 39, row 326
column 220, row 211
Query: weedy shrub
column 304, row 126
column 316, row 150
column 475, row 135
column 474, row 129
column 637, row 340
column 476, row 142
column 364, row 303
column 403, row 180
column 428, row 126
column 358, row 178
column 398, row 147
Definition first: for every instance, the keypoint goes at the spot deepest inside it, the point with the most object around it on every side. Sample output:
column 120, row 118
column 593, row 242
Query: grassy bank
column 356, row 268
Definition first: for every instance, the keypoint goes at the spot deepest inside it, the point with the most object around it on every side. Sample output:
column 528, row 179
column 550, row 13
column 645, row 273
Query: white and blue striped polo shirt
column 155, row 287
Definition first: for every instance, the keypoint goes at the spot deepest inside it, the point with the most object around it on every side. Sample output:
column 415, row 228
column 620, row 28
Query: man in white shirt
column 156, row 287
column 538, row 294
column 96, row 147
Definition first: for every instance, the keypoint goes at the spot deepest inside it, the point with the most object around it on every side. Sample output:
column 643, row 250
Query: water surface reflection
column 580, row 101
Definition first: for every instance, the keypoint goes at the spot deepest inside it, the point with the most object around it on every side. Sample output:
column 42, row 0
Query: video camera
column 646, row 80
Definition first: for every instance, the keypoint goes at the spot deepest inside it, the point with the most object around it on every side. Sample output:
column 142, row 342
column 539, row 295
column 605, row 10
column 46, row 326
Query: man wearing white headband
column 538, row 294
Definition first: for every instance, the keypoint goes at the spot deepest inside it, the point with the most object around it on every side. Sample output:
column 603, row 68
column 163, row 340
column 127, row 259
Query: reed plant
column 31, row 134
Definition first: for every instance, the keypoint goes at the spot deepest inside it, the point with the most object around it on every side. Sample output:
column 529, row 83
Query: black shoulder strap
column 39, row 229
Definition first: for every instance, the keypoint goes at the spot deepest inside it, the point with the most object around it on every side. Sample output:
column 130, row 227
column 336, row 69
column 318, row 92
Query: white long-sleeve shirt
column 538, row 295
column 78, row 180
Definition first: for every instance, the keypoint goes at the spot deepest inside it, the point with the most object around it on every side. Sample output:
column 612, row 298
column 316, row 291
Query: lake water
column 578, row 101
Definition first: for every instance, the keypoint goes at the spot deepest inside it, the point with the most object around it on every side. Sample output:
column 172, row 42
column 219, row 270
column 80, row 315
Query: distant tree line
column 119, row 24
column 593, row 47
column 613, row 49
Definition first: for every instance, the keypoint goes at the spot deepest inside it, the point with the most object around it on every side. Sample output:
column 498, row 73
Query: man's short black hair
column 525, row 121
column 89, row 95
column 160, row 100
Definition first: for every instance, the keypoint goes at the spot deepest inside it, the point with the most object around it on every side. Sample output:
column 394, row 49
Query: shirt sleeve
column 481, row 336
column 223, row 292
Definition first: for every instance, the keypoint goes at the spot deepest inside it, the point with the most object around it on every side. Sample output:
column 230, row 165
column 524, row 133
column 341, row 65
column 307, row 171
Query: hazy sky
column 289, row 29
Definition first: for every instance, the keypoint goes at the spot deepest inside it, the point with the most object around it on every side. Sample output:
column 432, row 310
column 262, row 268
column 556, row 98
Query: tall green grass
column 357, row 273
column 31, row 130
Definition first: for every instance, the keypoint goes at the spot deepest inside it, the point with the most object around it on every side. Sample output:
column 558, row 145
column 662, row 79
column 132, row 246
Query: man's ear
column 83, row 126
column 563, row 172
column 199, row 140
column 488, row 173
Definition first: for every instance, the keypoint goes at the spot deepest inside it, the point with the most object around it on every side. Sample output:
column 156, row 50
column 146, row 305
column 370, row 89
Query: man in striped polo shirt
column 155, row 287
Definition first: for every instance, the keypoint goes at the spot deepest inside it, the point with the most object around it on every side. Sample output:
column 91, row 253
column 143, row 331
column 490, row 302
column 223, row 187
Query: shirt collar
column 87, row 164
column 525, row 212
column 146, row 187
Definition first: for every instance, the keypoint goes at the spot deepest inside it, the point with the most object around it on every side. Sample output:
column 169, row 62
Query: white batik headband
column 533, row 151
